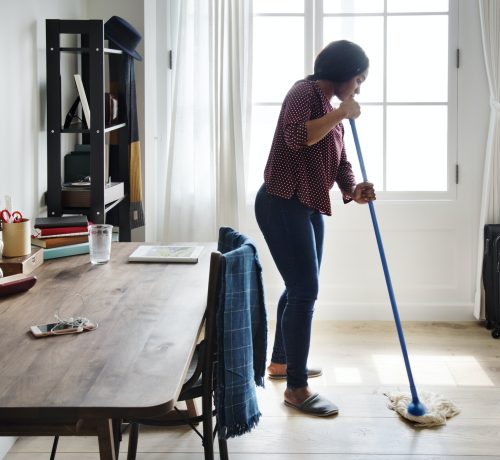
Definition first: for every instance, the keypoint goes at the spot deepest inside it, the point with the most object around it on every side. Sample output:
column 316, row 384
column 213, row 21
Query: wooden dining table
column 133, row 365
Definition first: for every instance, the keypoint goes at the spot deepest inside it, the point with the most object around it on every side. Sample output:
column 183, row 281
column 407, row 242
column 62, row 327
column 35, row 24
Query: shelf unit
column 101, row 202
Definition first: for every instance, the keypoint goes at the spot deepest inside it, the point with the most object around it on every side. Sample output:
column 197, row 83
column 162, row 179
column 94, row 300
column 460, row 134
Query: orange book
column 59, row 241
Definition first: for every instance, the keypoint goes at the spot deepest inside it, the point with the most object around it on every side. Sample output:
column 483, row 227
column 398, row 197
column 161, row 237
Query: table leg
column 106, row 439
column 192, row 410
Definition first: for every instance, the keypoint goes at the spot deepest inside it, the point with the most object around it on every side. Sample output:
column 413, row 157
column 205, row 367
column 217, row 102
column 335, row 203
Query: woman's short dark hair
column 339, row 61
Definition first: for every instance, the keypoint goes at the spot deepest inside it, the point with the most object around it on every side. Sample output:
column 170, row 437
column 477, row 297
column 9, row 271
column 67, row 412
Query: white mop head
column 438, row 408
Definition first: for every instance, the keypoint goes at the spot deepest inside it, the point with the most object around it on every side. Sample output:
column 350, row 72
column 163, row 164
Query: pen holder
column 16, row 238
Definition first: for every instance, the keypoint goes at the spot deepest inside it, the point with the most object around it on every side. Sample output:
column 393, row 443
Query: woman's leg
column 279, row 356
column 289, row 231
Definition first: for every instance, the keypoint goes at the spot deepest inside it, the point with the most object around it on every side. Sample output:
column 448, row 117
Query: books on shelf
column 57, row 241
column 64, row 251
column 166, row 253
column 83, row 98
column 63, row 221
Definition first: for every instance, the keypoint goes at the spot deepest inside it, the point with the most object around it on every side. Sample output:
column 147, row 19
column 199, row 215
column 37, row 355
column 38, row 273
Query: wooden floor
column 361, row 361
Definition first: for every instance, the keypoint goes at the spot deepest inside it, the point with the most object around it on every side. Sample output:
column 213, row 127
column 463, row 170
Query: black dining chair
column 230, row 360
column 200, row 382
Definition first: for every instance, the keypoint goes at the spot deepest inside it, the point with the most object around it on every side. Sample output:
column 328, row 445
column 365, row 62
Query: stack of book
column 61, row 236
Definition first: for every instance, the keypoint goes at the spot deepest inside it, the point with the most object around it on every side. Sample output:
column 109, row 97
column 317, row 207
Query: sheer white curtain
column 490, row 201
column 233, row 77
column 204, row 172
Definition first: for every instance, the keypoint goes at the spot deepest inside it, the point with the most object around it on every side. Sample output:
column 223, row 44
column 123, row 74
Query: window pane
column 411, row 73
column 278, row 6
column 367, row 32
column 278, row 56
column 264, row 119
column 417, row 63
column 353, row 6
column 370, row 131
column 417, row 148
column 416, row 6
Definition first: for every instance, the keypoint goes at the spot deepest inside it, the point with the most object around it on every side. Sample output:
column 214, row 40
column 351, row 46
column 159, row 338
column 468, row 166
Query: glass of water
column 100, row 243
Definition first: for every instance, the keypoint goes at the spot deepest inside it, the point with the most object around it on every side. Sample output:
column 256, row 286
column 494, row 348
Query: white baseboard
column 383, row 312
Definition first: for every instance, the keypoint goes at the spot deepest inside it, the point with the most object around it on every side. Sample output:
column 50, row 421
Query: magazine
column 166, row 253
column 83, row 98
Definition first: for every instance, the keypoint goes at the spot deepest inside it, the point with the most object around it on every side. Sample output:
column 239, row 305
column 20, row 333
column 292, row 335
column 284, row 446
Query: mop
column 432, row 409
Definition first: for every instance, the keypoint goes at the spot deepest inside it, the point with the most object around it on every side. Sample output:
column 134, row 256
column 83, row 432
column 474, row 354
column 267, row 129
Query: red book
column 59, row 231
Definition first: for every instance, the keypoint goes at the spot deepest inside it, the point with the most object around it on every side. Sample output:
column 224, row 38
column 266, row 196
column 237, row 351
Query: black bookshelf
column 91, row 55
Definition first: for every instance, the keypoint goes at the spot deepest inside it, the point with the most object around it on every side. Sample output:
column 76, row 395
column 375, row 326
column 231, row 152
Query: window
column 407, row 127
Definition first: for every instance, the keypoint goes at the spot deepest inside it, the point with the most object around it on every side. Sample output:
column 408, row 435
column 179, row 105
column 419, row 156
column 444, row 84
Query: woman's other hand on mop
column 363, row 193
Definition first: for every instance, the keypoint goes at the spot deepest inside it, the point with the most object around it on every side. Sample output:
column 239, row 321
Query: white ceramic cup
column 100, row 243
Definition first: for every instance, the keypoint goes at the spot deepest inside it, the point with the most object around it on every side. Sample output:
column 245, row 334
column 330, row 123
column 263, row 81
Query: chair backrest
column 243, row 286
column 207, row 347
column 213, row 302
column 232, row 340
column 241, row 335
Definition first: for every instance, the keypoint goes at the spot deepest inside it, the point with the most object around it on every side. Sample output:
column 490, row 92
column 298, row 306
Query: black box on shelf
column 76, row 166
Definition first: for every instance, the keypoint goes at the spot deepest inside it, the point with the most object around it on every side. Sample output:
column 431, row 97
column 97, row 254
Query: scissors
column 10, row 217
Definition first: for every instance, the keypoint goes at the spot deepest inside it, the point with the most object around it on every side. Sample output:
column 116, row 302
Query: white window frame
column 313, row 36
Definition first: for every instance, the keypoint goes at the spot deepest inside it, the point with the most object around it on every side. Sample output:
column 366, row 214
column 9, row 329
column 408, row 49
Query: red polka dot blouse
column 307, row 171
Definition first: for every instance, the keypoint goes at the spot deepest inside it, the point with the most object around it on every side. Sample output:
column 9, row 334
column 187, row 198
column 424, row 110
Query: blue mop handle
column 386, row 269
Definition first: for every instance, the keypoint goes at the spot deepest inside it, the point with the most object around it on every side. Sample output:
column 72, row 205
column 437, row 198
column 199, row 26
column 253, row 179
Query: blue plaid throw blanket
column 241, row 336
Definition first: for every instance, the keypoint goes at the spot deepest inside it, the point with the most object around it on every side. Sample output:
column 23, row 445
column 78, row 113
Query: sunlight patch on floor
column 432, row 370
column 347, row 375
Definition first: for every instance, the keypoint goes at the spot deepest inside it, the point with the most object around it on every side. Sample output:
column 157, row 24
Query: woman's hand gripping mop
column 433, row 410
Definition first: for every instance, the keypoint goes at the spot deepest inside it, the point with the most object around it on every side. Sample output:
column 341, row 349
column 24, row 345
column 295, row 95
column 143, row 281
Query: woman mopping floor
column 307, row 157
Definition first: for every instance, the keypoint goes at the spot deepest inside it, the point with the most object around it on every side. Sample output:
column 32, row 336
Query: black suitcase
column 491, row 277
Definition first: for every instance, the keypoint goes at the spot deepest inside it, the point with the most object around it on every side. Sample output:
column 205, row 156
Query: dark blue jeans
column 294, row 234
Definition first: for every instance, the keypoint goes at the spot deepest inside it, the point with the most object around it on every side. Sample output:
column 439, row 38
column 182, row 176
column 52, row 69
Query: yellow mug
column 16, row 238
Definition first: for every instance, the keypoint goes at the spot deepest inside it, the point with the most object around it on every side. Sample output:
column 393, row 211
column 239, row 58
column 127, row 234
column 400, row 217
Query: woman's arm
column 317, row 129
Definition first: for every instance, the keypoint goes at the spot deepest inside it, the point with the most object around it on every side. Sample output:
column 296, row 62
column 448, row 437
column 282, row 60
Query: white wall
column 430, row 246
